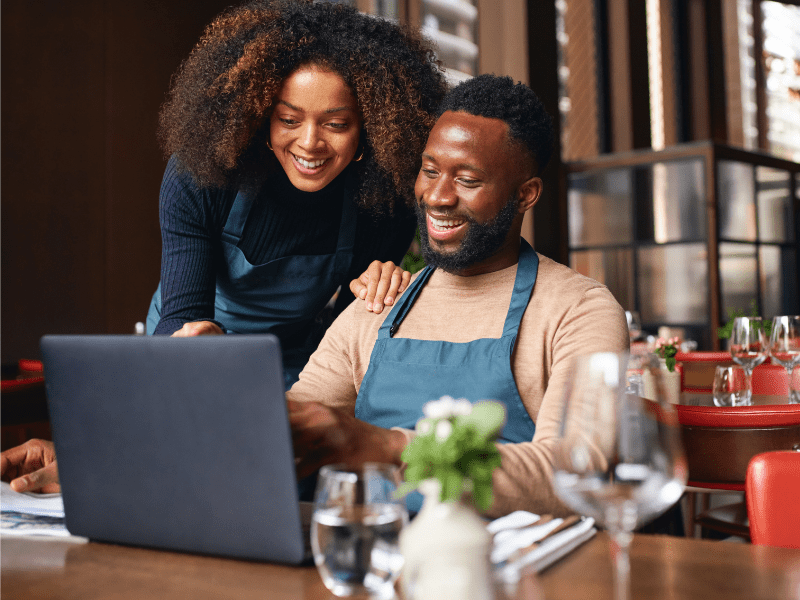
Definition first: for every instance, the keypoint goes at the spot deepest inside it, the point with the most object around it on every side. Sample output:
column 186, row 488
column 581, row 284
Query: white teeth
column 309, row 164
column 442, row 224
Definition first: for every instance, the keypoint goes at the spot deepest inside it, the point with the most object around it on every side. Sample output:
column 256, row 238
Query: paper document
column 31, row 513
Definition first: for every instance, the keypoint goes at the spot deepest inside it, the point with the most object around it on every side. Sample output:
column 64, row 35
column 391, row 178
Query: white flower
column 423, row 427
column 462, row 407
column 443, row 430
column 438, row 409
column 446, row 407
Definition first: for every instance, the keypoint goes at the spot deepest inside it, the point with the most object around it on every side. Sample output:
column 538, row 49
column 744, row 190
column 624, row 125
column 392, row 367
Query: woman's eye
column 338, row 126
column 287, row 121
column 429, row 172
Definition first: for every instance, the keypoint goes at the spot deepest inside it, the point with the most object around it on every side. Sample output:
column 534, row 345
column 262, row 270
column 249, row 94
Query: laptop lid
column 175, row 443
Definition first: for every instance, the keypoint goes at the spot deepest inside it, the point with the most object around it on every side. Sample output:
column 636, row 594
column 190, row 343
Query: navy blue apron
column 404, row 373
column 283, row 296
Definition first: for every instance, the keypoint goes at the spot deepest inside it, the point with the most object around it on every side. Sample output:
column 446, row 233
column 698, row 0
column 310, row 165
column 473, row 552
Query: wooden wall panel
column 82, row 82
column 53, row 184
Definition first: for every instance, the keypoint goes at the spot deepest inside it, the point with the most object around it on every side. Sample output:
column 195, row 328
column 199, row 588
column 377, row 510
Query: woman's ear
column 529, row 193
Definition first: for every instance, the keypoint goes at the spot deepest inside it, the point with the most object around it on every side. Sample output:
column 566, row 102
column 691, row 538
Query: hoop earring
column 268, row 146
column 360, row 157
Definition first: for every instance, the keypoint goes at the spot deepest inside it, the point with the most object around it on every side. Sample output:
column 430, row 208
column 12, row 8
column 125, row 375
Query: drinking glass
column 355, row 529
column 748, row 343
column 784, row 347
column 634, row 324
column 618, row 457
column 732, row 387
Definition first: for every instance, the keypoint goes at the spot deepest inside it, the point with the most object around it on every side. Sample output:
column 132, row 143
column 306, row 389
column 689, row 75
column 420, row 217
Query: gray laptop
column 175, row 443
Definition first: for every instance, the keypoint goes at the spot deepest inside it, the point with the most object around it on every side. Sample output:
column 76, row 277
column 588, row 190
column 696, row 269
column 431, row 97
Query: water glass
column 355, row 529
column 733, row 386
column 634, row 324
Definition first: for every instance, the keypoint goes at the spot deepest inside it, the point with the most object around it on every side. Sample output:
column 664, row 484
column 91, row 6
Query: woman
column 294, row 131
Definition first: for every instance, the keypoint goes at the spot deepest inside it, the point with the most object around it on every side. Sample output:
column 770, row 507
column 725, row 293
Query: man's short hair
column 516, row 104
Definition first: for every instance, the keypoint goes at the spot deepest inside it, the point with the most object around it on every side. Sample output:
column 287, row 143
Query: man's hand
column 322, row 435
column 31, row 467
column 198, row 328
column 380, row 284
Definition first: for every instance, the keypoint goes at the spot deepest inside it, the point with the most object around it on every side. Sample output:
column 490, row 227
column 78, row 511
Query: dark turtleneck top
column 284, row 221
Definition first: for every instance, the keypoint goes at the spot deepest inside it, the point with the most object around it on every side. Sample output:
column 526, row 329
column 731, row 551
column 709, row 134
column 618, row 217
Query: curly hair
column 216, row 117
column 516, row 104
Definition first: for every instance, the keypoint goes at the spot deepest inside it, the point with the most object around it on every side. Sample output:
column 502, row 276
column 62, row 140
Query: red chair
column 773, row 490
column 719, row 443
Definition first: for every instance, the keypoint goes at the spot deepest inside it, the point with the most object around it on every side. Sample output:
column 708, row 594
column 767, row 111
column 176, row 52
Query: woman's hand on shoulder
column 31, row 467
column 380, row 285
column 198, row 328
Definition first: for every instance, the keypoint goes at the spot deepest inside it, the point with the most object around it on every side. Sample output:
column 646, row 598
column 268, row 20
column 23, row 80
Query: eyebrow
column 329, row 110
column 468, row 166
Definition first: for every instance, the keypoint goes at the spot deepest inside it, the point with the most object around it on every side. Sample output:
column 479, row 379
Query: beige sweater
column 568, row 315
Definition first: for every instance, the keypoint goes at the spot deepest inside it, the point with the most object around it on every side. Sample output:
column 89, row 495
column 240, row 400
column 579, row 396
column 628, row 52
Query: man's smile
column 444, row 228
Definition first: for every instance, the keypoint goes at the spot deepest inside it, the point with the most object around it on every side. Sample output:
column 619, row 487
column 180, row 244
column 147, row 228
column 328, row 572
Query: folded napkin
column 527, row 541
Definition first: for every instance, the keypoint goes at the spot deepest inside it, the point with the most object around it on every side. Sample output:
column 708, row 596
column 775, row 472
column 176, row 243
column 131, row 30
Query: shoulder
column 564, row 302
column 180, row 191
column 555, row 277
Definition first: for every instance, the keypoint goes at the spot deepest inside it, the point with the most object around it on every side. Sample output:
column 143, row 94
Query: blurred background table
column 662, row 568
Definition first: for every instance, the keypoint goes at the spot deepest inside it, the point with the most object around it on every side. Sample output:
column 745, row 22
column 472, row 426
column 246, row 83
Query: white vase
column 446, row 551
column 671, row 380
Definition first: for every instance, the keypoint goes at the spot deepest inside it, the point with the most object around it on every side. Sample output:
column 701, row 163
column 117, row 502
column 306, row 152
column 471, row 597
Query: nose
column 309, row 138
column 439, row 192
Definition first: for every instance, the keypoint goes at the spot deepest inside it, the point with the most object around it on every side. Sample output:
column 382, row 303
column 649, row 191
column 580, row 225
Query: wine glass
column 748, row 344
column 618, row 457
column 784, row 347
column 355, row 529
column 634, row 324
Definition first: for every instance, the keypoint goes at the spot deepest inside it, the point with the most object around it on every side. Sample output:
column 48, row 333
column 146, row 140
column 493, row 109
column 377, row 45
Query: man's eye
column 338, row 125
column 466, row 181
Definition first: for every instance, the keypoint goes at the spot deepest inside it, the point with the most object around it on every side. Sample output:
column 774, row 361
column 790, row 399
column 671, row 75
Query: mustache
column 443, row 213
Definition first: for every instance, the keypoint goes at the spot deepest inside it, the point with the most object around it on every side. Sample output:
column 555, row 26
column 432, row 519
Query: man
column 465, row 329
column 492, row 320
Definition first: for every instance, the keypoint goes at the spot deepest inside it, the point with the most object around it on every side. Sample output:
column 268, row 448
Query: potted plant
column 446, row 547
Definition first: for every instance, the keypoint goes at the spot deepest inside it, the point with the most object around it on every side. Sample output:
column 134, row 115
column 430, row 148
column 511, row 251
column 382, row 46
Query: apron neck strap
column 400, row 310
column 245, row 198
column 527, row 270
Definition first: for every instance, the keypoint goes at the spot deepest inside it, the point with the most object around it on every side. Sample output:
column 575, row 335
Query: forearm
column 524, row 481
column 188, row 274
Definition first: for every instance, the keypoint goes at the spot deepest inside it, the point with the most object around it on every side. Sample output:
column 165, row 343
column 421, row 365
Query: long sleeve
column 190, row 220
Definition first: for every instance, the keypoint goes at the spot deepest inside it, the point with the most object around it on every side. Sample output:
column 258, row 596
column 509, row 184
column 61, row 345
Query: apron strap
column 347, row 230
column 392, row 321
column 234, row 226
column 527, row 269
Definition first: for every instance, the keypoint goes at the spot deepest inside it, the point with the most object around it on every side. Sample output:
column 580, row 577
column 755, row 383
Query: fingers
column 198, row 328
column 380, row 285
column 31, row 467
column 373, row 276
column 44, row 480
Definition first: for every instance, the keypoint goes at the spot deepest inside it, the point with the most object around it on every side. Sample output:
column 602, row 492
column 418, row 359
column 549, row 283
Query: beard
column 480, row 242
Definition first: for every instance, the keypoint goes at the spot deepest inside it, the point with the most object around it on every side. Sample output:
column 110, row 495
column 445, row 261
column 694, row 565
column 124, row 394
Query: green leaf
column 487, row 417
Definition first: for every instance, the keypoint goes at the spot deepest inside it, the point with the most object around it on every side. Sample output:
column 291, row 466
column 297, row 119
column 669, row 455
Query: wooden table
column 662, row 567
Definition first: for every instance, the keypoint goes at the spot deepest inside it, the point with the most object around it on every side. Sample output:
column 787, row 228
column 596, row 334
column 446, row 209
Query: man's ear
column 529, row 193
